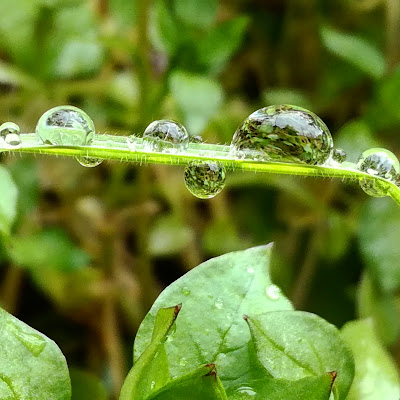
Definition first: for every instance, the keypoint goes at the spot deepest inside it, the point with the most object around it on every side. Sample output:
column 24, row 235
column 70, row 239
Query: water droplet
column 250, row 270
column 33, row 342
column 219, row 303
column 165, row 136
column 89, row 161
column 152, row 385
column 196, row 139
column 273, row 292
column 185, row 291
column 283, row 133
column 182, row 361
column 10, row 133
column 246, row 390
column 381, row 163
column 205, row 179
column 339, row 155
column 65, row 126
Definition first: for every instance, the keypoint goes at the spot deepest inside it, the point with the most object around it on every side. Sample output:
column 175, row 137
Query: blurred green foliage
column 86, row 251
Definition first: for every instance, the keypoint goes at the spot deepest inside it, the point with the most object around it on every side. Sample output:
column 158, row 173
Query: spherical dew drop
column 205, row 179
column 65, row 126
column 165, row 136
column 283, row 133
column 381, row 163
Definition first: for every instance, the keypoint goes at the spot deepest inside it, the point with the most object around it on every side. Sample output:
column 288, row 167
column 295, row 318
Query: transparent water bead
column 10, row 131
column 89, row 161
column 65, row 126
column 381, row 163
column 205, row 179
column 283, row 133
column 196, row 139
column 165, row 136
column 339, row 155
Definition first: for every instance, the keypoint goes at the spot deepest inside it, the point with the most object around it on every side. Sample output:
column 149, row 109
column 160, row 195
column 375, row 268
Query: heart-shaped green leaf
column 210, row 328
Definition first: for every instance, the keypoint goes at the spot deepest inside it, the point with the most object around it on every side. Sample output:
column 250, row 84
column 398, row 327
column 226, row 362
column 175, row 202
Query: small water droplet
column 89, row 161
column 10, row 131
column 182, row 361
column 65, row 126
column 33, row 342
column 132, row 142
column 165, row 136
column 196, row 139
column 339, row 155
column 152, row 385
column 250, row 270
column 219, row 303
column 273, row 292
column 283, row 133
column 246, row 390
column 205, row 179
column 381, row 163
column 185, row 291
column 207, row 331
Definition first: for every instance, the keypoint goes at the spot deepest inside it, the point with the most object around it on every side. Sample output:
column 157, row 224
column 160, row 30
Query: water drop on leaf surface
column 381, row 163
column 283, row 133
column 165, row 136
column 65, row 126
column 205, row 179
column 33, row 342
column 273, row 292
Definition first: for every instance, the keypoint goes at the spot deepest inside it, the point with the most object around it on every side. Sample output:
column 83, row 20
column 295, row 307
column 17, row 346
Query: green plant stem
column 111, row 147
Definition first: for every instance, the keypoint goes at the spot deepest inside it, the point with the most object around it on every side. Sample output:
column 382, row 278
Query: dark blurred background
column 93, row 247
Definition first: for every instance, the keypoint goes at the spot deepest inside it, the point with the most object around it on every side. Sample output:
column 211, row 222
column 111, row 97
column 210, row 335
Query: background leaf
column 197, row 97
column 8, row 201
column 50, row 249
column 376, row 375
column 379, row 231
column 355, row 50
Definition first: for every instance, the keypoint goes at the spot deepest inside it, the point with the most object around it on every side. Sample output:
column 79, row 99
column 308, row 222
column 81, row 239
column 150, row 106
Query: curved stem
column 110, row 147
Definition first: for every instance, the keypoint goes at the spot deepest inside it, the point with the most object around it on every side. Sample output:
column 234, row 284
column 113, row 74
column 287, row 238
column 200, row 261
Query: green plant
column 223, row 330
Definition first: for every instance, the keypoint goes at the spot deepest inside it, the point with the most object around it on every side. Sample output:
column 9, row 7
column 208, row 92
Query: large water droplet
column 381, row 163
column 283, row 133
column 273, row 292
column 65, row 126
column 205, row 179
column 89, row 161
column 10, row 131
column 33, row 342
column 165, row 136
